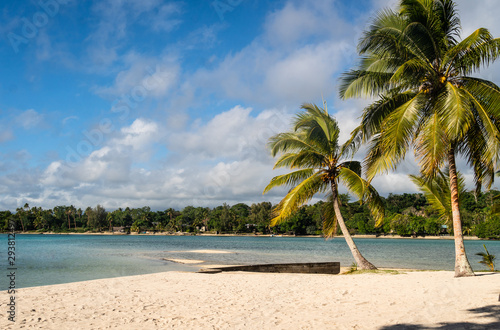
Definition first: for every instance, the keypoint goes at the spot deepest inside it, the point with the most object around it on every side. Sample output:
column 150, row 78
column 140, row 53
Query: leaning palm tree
column 312, row 149
column 413, row 61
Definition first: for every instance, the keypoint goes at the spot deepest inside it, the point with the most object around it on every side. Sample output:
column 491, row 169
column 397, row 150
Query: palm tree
column 415, row 63
column 20, row 212
column 73, row 214
column 488, row 259
column 69, row 211
column 312, row 148
column 437, row 192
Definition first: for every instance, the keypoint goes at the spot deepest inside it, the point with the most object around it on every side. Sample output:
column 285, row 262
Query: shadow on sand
column 492, row 311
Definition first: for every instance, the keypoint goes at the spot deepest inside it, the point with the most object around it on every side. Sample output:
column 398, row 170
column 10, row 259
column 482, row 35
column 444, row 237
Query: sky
column 171, row 103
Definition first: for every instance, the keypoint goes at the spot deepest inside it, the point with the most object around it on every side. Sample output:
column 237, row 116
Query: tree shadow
column 492, row 311
column 487, row 274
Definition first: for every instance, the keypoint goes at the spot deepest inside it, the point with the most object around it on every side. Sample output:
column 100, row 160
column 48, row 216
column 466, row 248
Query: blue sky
column 170, row 103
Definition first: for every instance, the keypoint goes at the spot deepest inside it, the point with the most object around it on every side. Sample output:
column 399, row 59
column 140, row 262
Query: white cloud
column 30, row 119
column 296, row 58
column 115, row 19
column 162, row 21
column 290, row 24
column 145, row 77
column 231, row 134
column 305, row 73
column 474, row 15
column 176, row 159
column 138, row 135
column 223, row 160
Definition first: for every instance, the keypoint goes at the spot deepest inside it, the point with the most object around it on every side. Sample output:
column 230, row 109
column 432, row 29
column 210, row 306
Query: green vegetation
column 354, row 268
column 406, row 215
column 372, row 271
column 312, row 149
column 488, row 259
column 414, row 62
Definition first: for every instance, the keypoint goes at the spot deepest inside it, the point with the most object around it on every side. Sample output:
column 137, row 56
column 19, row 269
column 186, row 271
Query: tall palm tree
column 69, row 211
column 312, row 149
column 21, row 214
column 413, row 61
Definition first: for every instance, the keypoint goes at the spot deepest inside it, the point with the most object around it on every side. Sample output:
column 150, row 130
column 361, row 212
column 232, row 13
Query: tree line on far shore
column 406, row 215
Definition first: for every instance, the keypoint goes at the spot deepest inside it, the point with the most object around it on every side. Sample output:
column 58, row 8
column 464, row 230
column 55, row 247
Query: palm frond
column 351, row 146
column 474, row 52
column 390, row 147
column 437, row 193
column 376, row 161
column 363, row 84
column 289, row 179
column 364, row 191
column 297, row 197
column 453, row 107
column 354, row 166
column 485, row 99
column 431, row 146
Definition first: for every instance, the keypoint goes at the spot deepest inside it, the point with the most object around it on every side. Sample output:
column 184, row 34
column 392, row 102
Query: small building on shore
column 121, row 230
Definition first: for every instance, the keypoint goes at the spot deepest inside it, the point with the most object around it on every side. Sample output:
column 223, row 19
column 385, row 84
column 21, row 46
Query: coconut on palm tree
column 319, row 162
column 414, row 62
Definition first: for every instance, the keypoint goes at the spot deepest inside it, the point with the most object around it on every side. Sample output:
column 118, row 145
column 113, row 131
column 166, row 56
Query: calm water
column 54, row 259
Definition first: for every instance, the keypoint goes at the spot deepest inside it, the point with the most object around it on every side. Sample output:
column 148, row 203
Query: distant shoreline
column 107, row 233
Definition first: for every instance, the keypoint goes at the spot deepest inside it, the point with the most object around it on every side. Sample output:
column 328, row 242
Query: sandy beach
column 416, row 300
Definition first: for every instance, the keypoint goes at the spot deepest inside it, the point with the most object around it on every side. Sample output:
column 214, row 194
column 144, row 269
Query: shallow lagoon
column 54, row 259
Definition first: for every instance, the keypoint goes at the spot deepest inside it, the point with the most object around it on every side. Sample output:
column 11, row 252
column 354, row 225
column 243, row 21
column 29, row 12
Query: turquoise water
column 54, row 259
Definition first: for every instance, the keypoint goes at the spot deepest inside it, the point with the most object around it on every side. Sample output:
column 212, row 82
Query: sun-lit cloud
column 199, row 102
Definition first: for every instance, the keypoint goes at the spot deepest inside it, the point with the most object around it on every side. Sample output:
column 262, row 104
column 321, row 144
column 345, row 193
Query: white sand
column 185, row 261
column 260, row 301
column 206, row 251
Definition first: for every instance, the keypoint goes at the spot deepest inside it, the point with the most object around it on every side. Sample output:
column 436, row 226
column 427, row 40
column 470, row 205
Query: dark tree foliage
column 407, row 215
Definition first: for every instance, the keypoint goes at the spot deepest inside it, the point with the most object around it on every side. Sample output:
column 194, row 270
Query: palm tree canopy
column 312, row 150
column 415, row 63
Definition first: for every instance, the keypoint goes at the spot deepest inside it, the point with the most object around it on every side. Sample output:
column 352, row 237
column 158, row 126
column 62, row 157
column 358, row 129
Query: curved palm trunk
column 462, row 265
column 360, row 260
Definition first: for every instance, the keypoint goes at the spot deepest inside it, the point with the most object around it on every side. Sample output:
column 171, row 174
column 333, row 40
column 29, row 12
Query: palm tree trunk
column 462, row 265
column 358, row 257
column 22, row 222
